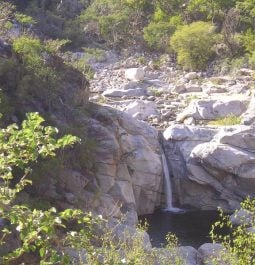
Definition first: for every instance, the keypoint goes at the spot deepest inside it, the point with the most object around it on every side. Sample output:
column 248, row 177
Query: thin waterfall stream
column 168, row 188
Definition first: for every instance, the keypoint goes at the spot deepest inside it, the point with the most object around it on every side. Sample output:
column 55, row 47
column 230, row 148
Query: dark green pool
column 192, row 227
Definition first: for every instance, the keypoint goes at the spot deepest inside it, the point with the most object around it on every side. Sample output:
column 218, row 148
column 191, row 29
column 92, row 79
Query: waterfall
column 168, row 188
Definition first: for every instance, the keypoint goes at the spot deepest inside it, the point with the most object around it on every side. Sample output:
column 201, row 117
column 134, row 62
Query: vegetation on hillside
column 146, row 24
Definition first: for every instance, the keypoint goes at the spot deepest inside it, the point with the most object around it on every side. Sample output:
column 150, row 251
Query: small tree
column 194, row 45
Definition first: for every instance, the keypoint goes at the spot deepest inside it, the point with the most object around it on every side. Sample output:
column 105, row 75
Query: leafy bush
column 37, row 77
column 157, row 35
column 248, row 41
column 27, row 46
column 239, row 244
column 37, row 229
column 194, row 45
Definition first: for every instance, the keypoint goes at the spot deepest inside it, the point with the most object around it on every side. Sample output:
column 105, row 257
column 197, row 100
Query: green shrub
column 248, row 40
column 37, row 78
column 159, row 15
column 227, row 121
column 112, row 19
column 239, row 244
column 157, row 35
column 37, row 230
column 27, row 46
column 54, row 46
column 176, row 21
column 194, row 45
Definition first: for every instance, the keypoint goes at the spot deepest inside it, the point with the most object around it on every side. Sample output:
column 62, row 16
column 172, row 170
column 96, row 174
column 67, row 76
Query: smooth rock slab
column 138, row 92
column 224, row 158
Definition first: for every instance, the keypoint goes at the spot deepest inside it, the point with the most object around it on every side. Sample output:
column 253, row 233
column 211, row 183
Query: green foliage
column 157, row 35
column 54, row 46
column 239, row 244
column 247, row 10
column 112, row 19
column 27, row 46
column 24, row 20
column 6, row 15
column 141, row 60
column 37, row 76
column 248, row 41
column 252, row 60
column 209, row 9
column 227, row 121
column 171, row 7
column 37, row 229
column 194, row 45
column 159, row 15
column 176, row 21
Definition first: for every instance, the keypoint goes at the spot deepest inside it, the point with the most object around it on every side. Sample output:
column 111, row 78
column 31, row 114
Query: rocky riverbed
column 211, row 163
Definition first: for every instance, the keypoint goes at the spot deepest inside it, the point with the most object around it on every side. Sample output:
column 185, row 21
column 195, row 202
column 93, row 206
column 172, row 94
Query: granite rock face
column 211, row 167
column 127, row 159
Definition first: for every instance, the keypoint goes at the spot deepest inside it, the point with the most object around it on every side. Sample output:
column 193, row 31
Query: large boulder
column 212, row 109
column 135, row 74
column 127, row 159
column 144, row 107
column 208, row 252
column 211, row 167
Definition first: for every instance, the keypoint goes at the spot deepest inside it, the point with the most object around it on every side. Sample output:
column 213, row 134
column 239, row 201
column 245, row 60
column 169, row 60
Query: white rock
column 191, row 76
column 145, row 108
column 135, row 74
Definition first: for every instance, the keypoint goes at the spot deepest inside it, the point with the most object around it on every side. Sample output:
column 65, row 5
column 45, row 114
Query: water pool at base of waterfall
column 192, row 227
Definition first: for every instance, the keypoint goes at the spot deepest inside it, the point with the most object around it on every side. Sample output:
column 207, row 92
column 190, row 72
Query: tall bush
column 193, row 44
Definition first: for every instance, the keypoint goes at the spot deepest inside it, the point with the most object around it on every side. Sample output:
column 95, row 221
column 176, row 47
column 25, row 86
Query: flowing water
column 168, row 188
